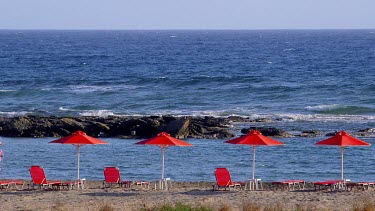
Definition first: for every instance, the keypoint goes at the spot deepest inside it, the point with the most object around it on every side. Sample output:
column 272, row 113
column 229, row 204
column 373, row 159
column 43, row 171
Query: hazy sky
column 188, row 14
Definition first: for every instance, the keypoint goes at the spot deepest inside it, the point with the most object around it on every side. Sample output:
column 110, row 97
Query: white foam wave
column 322, row 107
column 88, row 89
column 101, row 113
column 200, row 113
column 63, row 109
column 283, row 117
column 7, row 90
column 13, row 113
column 289, row 49
column 204, row 76
column 324, row 118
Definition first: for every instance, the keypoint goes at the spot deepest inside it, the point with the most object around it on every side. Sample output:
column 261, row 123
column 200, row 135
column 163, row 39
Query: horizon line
column 261, row 29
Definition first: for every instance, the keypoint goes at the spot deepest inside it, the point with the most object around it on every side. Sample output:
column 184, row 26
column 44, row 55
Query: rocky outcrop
column 114, row 126
column 331, row 134
column 366, row 132
column 268, row 131
column 309, row 133
column 247, row 119
column 209, row 128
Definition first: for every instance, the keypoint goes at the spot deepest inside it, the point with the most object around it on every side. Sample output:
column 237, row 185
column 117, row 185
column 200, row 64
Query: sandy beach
column 194, row 194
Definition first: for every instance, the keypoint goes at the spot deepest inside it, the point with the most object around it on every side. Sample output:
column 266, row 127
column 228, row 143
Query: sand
column 94, row 197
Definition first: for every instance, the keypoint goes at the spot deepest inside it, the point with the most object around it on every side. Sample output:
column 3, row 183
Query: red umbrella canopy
column 254, row 138
column 78, row 138
column 164, row 139
column 343, row 139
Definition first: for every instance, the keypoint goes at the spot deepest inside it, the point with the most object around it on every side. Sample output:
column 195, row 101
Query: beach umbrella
column 1, row 151
column 342, row 139
column 78, row 139
column 254, row 138
column 164, row 140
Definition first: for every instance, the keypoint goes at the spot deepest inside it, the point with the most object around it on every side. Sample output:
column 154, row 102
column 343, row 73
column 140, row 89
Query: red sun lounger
column 112, row 177
column 5, row 184
column 331, row 184
column 38, row 178
column 223, row 180
column 360, row 185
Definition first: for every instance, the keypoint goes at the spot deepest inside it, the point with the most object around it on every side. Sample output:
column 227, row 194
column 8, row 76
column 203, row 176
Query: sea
column 302, row 79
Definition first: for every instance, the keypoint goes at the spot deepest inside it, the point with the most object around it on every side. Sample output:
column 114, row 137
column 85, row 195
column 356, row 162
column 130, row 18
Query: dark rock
column 72, row 124
column 169, row 118
column 178, row 128
column 315, row 132
column 309, row 133
column 238, row 119
column 363, row 134
column 263, row 120
column 267, row 131
column 209, row 128
column 331, row 134
column 112, row 126
column 368, row 130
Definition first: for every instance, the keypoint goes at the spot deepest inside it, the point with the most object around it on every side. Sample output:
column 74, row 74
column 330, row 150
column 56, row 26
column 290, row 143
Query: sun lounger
column 223, row 180
column 38, row 178
column 289, row 184
column 359, row 185
column 6, row 184
column 371, row 184
column 112, row 177
column 331, row 184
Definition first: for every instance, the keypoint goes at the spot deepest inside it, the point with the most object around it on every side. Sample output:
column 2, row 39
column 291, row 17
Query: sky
column 187, row 14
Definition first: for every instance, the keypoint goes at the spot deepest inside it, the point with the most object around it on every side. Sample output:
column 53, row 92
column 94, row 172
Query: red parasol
column 164, row 140
column 78, row 139
column 343, row 139
column 254, row 138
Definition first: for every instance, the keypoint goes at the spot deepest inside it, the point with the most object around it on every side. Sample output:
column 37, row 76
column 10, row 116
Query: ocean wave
column 323, row 118
column 7, row 90
column 88, row 88
column 340, row 109
column 277, row 117
column 245, row 113
column 321, row 107
column 13, row 113
column 201, row 113
column 64, row 109
column 101, row 113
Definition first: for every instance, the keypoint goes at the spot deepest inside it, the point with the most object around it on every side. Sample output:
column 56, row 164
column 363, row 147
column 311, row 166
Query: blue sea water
column 306, row 79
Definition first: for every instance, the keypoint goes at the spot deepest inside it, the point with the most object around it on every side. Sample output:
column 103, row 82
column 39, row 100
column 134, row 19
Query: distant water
column 306, row 79
column 297, row 75
column 298, row 159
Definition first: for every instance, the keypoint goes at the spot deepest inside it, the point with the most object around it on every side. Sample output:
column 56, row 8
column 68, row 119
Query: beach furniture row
column 224, row 182
column 112, row 178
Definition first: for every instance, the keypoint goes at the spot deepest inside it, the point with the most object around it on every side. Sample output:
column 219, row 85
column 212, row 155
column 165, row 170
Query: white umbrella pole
column 253, row 162
column 162, row 164
column 342, row 163
column 78, row 149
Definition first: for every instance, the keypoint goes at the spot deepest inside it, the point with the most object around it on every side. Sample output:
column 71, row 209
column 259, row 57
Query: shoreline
column 195, row 194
